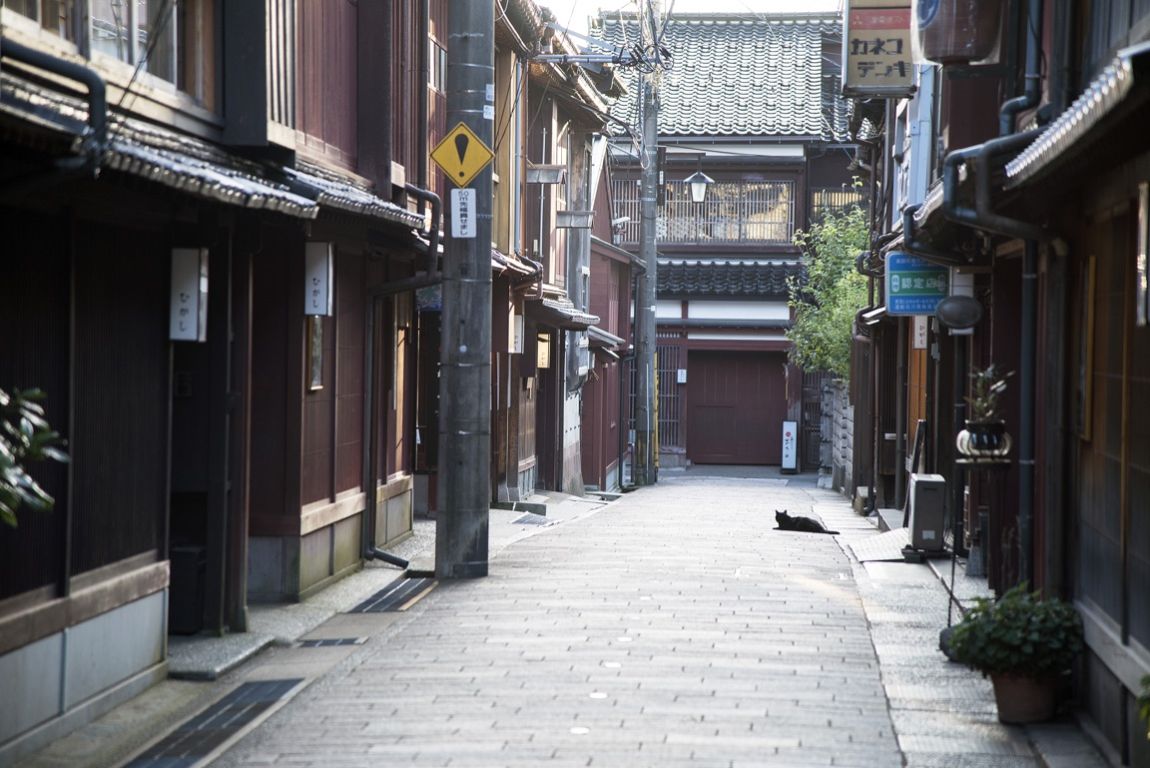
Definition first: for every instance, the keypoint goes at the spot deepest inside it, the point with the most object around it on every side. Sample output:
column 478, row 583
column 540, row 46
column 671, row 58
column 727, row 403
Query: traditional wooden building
column 751, row 101
column 1037, row 204
column 212, row 247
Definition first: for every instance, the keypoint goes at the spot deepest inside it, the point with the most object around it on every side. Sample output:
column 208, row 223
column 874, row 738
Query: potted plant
column 1024, row 643
column 985, row 432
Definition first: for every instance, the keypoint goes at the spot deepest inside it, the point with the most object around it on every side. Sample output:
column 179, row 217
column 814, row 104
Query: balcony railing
column 733, row 213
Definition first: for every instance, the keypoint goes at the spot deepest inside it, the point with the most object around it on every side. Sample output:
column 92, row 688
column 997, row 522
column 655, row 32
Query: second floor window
column 169, row 39
column 733, row 213
column 437, row 66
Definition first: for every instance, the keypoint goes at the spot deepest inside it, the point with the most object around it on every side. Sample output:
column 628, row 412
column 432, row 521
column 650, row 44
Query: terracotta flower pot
column 1022, row 699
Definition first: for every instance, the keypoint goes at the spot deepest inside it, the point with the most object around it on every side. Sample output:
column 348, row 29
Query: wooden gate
column 736, row 403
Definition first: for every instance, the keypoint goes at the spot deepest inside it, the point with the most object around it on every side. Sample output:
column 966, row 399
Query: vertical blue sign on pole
column 913, row 286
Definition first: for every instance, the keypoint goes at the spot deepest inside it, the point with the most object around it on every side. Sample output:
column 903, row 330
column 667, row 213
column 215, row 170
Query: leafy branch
column 987, row 385
column 825, row 302
column 25, row 436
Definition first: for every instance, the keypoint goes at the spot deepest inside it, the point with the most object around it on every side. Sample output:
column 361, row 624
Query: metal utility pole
column 465, row 354
column 646, row 373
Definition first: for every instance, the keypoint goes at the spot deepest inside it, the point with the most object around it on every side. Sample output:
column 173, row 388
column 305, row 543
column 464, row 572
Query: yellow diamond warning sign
column 461, row 155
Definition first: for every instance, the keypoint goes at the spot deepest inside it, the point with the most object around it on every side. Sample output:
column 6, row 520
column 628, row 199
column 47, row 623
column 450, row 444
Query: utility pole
column 646, row 378
column 465, row 352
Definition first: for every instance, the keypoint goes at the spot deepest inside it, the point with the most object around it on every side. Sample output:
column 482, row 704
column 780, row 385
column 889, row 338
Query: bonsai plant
column 985, row 433
column 1023, row 642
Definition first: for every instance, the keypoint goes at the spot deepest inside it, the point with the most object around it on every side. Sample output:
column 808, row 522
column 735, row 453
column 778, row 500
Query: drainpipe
column 433, row 276
column 1029, row 309
column 623, row 422
column 95, row 139
column 982, row 217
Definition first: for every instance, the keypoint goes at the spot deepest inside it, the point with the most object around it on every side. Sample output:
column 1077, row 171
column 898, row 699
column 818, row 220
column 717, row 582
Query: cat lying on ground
column 798, row 523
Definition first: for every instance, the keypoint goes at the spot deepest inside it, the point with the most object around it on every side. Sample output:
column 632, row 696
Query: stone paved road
column 673, row 627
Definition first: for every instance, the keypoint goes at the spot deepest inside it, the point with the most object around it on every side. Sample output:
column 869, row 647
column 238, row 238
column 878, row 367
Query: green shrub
column 1022, row 633
column 24, row 436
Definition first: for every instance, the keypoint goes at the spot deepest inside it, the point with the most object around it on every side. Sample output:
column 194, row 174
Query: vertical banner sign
column 913, row 286
column 790, row 446
column 189, row 303
column 877, row 59
column 318, row 274
column 921, row 331
column 463, row 213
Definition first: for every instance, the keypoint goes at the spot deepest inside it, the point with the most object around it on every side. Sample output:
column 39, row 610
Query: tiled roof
column 742, row 75
column 698, row 277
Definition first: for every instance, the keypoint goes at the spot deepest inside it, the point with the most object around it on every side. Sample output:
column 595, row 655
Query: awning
column 346, row 195
column 599, row 338
column 512, row 265
column 1095, row 121
column 559, row 313
column 190, row 164
column 215, row 181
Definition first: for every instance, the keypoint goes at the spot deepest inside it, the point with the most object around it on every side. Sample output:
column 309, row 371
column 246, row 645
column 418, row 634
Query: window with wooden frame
column 172, row 40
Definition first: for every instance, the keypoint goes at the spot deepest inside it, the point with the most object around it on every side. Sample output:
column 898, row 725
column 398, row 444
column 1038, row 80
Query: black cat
column 799, row 523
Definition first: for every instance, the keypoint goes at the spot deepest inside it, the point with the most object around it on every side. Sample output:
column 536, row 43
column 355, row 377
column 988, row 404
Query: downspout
column 872, row 375
column 983, row 218
column 623, row 422
column 1029, row 310
column 432, row 275
column 95, row 140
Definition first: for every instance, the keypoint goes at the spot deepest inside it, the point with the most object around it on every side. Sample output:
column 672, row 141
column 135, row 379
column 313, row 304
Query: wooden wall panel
column 34, row 315
column 118, row 442
column 327, row 84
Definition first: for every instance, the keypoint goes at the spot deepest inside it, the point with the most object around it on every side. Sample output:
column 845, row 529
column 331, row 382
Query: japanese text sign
column 913, row 286
column 877, row 59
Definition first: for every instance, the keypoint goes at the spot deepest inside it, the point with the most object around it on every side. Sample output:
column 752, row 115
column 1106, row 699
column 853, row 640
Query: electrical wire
column 164, row 14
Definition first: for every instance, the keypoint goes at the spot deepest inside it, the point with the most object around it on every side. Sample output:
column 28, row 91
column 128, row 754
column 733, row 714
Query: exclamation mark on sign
column 461, row 142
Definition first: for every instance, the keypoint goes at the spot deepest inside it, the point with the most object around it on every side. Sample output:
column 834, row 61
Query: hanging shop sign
column 913, row 286
column 877, row 60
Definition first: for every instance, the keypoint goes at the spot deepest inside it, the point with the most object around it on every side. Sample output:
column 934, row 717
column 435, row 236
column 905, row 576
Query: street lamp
column 698, row 182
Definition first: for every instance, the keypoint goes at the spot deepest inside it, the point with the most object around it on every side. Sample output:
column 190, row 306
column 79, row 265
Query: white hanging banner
column 189, row 303
column 319, row 270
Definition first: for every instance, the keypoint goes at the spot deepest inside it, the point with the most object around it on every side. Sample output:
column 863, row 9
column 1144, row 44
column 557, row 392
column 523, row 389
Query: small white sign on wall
column 790, row 446
column 463, row 203
column 921, row 331
column 189, row 303
column 516, row 333
column 319, row 269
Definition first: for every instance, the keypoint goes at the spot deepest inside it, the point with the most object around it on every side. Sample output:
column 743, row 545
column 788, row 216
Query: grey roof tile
column 703, row 277
column 743, row 75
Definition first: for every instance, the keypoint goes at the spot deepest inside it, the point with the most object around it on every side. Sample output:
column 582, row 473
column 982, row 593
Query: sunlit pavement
column 671, row 627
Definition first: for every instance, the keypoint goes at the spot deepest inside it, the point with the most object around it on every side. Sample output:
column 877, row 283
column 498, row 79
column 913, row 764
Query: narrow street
column 671, row 627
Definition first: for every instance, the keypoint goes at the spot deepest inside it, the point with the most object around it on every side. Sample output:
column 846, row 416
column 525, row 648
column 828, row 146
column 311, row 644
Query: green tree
column 832, row 291
column 24, row 436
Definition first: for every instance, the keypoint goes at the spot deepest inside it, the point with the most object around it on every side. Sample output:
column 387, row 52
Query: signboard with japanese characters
column 189, row 304
column 877, row 59
column 790, row 446
column 913, row 286
column 318, row 279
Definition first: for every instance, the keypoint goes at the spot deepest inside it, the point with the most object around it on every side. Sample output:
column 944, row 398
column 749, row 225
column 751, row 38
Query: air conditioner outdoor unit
column 927, row 501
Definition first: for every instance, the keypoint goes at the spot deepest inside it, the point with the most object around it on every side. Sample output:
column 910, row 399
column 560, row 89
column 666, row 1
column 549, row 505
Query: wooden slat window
column 281, row 73
column 734, row 212
column 670, row 399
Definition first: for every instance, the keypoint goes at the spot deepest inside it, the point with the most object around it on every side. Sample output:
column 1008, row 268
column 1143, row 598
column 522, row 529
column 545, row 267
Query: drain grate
column 226, row 720
column 398, row 596
column 332, row 642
